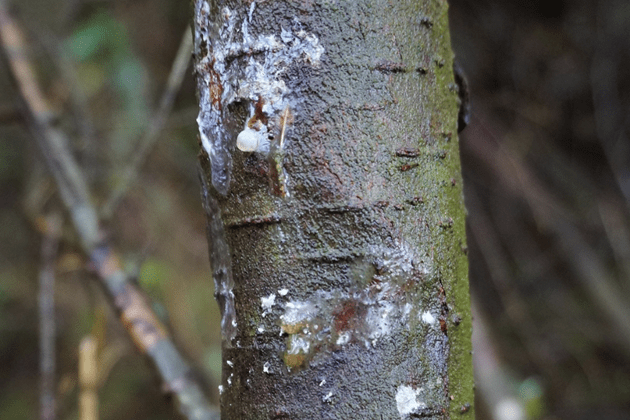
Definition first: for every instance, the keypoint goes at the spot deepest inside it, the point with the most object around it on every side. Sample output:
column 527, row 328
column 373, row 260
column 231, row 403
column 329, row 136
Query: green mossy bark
column 356, row 226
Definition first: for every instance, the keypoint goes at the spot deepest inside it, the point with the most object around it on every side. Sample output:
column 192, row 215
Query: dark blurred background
column 546, row 177
column 547, row 188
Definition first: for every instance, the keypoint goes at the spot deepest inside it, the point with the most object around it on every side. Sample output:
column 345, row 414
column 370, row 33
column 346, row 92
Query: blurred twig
column 150, row 136
column 88, row 379
column 553, row 218
column 70, row 181
column 51, row 227
column 609, row 112
column 515, row 307
column 144, row 327
column 618, row 237
column 9, row 114
column 491, row 378
column 78, row 100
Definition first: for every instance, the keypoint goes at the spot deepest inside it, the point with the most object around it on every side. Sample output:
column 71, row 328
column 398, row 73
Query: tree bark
column 337, row 245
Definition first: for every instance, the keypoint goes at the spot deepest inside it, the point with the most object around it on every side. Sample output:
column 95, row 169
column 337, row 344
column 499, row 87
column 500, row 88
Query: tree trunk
column 331, row 178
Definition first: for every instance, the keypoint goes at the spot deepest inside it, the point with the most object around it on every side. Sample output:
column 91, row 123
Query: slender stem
column 151, row 134
column 52, row 142
column 77, row 99
column 135, row 311
column 88, row 379
column 50, row 242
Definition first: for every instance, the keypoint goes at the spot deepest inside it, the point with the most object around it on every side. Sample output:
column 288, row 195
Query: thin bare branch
column 148, row 333
column 52, row 142
column 51, row 227
column 552, row 217
column 77, row 99
column 151, row 134
column 494, row 384
column 88, row 379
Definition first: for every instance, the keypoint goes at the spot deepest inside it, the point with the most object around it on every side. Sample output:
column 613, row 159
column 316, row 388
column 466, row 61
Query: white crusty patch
column 267, row 303
column 428, row 317
column 407, row 400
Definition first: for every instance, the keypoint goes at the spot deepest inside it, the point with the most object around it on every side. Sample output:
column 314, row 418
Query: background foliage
column 545, row 168
column 546, row 185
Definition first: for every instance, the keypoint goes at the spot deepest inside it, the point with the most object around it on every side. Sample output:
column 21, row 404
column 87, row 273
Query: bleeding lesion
column 214, row 86
column 259, row 118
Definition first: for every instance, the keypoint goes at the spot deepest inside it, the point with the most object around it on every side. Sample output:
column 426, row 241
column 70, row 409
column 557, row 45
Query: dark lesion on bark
column 408, row 166
column 409, row 152
column 463, row 117
column 386, row 66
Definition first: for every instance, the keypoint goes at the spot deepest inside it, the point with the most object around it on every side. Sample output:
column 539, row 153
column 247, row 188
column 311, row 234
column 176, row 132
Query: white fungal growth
column 297, row 312
column 283, row 292
column 407, row 309
column 428, row 317
column 381, row 317
column 407, row 400
column 328, row 397
column 267, row 303
column 298, row 344
column 343, row 338
column 365, row 315
column 267, row 368
column 251, row 10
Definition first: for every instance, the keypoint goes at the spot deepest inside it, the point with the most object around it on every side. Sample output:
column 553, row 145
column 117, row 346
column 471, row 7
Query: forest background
column 547, row 189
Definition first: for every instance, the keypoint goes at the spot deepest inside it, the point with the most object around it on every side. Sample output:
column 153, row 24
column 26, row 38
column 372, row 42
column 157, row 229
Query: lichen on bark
column 345, row 239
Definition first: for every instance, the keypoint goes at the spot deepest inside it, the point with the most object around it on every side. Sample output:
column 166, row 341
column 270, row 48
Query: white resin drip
column 241, row 66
